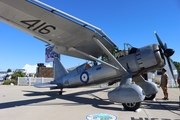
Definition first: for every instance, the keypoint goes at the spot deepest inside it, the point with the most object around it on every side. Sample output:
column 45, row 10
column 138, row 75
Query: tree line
column 177, row 64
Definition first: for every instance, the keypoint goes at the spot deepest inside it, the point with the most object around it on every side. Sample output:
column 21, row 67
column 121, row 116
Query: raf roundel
column 84, row 77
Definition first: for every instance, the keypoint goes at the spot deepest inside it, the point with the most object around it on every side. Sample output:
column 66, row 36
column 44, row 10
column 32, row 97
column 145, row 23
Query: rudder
column 59, row 69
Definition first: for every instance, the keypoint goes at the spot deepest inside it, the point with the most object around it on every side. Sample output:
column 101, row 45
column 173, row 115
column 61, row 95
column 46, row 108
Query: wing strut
column 110, row 56
column 93, row 58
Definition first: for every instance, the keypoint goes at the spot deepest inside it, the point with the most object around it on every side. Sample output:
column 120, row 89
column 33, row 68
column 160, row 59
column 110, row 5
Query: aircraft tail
column 59, row 69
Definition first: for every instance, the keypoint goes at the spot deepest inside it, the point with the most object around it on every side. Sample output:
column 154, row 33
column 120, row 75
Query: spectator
column 164, row 84
column 178, row 80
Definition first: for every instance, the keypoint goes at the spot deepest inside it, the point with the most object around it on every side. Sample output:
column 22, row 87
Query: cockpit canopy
column 128, row 49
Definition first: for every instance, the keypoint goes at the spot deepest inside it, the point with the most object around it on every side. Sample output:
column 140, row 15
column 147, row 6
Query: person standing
column 178, row 80
column 164, row 83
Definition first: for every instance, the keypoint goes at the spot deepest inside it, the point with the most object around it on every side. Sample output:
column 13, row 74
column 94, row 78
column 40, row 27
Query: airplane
column 74, row 37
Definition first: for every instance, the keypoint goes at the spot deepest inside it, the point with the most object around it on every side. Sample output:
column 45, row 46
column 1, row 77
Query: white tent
column 48, row 65
column 32, row 68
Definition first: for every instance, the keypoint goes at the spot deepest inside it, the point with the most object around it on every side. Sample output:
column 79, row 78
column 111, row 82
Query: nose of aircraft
column 168, row 52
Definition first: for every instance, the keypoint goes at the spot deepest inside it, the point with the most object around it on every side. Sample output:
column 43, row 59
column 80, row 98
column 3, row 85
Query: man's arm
column 178, row 80
column 167, row 78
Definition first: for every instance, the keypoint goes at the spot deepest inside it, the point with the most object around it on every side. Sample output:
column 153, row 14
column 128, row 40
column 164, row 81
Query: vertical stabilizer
column 59, row 69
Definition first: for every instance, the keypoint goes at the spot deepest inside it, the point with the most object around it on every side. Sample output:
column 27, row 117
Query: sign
column 101, row 116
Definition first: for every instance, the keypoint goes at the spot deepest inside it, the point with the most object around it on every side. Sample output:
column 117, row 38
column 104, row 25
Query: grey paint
column 127, row 92
column 66, row 33
column 148, row 87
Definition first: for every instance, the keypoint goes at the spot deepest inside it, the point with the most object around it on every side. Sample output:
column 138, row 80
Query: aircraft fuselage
column 140, row 60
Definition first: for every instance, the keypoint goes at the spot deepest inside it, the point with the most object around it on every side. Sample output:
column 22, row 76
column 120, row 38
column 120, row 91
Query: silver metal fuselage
column 148, row 58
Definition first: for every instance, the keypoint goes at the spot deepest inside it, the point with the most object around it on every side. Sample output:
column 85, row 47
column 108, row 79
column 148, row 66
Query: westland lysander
column 74, row 37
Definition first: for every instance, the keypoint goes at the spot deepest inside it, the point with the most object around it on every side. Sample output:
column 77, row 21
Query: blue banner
column 50, row 54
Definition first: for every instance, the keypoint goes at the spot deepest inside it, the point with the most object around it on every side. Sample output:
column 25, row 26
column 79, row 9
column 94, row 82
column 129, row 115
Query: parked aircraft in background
column 3, row 74
column 74, row 37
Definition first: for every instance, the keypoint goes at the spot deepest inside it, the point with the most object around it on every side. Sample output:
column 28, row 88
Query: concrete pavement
column 30, row 103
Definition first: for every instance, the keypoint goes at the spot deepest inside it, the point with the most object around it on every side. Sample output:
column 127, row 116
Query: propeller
column 168, row 52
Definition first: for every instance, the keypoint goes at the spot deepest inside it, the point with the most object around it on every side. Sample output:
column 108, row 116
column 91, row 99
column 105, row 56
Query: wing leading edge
column 54, row 27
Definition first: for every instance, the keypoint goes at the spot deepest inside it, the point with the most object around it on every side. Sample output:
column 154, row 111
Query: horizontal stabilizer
column 45, row 85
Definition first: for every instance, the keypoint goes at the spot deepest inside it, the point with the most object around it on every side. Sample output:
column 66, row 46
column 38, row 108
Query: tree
column 177, row 64
column 17, row 74
column 9, row 70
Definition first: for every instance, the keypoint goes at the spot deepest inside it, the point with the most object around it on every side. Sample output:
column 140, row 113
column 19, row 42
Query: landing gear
column 61, row 91
column 150, row 97
column 131, row 106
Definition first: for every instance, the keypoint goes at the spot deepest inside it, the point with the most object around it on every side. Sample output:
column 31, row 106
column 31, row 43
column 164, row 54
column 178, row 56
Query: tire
column 150, row 97
column 131, row 106
column 60, row 92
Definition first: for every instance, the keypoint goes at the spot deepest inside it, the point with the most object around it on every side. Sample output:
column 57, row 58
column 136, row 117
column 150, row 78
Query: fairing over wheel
column 150, row 97
column 131, row 106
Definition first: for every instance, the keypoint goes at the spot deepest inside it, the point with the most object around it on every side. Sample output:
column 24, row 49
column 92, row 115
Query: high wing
column 55, row 27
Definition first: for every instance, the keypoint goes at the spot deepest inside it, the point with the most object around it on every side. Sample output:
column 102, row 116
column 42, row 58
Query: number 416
column 42, row 28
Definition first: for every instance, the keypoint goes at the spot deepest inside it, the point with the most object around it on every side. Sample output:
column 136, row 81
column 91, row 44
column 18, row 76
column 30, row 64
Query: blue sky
column 124, row 21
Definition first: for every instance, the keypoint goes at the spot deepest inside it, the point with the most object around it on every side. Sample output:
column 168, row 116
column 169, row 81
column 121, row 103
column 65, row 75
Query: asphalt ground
column 30, row 103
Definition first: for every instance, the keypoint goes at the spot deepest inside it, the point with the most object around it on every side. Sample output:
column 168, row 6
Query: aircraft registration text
column 41, row 27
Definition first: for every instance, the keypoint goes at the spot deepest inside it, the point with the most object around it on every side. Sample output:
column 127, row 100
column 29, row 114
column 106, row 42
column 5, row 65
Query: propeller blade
column 167, row 52
column 171, row 70
column 159, row 40
column 165, row 45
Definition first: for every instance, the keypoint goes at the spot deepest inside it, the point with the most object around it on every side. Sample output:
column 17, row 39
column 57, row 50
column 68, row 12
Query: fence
column 31, row 81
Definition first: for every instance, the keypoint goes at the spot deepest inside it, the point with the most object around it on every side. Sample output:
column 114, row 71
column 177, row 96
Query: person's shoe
column 164, row 98
column 167, row 98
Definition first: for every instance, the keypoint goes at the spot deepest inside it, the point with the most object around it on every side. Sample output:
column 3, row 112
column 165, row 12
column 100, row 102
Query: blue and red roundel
column 84, row 77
